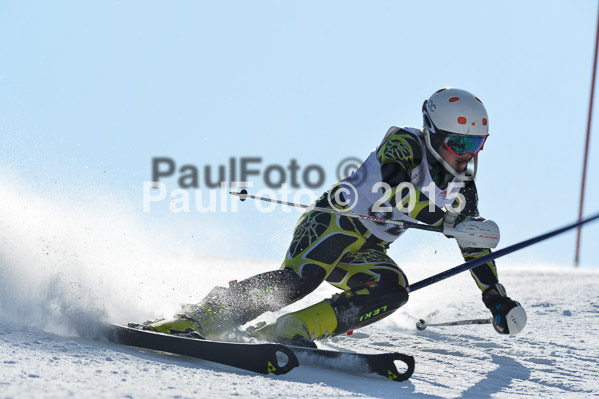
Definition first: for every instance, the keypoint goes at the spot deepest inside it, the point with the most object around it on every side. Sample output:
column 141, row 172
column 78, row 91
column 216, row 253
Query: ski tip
column 283, row 362
column 395, row 375
column 386, row 366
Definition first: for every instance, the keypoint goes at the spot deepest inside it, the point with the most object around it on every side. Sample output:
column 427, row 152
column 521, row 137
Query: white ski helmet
column 457, row 119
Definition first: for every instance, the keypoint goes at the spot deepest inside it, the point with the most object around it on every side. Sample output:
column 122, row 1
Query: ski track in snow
column 555, row 356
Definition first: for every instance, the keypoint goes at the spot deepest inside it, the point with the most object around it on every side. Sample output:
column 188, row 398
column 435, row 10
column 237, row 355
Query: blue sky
column 90, row 92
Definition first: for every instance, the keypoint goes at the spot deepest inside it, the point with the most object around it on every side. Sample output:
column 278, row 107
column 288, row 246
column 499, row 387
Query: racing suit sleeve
column 484, row 275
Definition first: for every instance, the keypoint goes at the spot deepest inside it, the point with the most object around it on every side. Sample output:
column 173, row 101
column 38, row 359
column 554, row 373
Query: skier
column 428, row 167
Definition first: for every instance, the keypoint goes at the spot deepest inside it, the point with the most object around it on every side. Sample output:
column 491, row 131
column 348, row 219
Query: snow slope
column 556, row 355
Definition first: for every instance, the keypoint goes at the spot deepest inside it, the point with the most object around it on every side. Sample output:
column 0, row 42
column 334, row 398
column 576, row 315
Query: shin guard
column 366, row 304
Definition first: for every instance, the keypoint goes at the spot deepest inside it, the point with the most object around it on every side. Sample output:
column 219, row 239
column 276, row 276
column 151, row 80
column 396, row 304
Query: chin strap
column 475, row 166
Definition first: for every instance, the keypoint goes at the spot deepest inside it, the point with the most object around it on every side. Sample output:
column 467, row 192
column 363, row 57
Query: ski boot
column 211, row 318
column 300, row 328
column 179, row 325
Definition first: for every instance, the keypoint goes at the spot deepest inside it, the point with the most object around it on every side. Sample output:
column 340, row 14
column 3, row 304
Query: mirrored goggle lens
column 465, row 144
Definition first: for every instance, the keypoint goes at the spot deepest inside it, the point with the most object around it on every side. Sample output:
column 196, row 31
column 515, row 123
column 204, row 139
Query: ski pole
column 243, row 195
column 468, row 234
column 494, row 255
column 422, row 324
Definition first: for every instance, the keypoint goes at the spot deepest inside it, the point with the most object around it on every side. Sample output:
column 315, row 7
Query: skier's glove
column 471, row 232
column 509, row 316
column 450, row 219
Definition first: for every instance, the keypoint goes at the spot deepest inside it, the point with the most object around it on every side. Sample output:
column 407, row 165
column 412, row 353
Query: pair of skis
column 262, row 358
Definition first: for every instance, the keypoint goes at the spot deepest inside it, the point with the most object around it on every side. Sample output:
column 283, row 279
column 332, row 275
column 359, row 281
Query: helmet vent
column 440, row 90
column 454, row 99
column 484, row 121
column 461, row 120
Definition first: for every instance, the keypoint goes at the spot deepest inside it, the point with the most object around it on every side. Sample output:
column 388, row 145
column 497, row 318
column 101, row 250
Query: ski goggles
column 459, row 145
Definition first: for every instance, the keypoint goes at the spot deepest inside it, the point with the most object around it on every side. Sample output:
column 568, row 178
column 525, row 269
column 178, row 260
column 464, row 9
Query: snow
column 555, row 356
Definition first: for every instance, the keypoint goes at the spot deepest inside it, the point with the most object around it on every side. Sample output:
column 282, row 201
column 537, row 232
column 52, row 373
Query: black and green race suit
column 351, row 254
